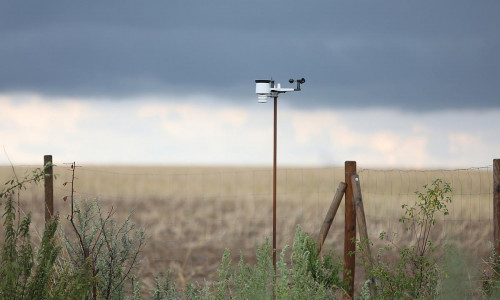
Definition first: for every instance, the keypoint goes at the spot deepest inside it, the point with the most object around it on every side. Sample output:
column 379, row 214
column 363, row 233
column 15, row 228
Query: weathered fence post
column 496, row 205
column 363, row 231
column 350, row 229
column 330, row 215
column 49, row 188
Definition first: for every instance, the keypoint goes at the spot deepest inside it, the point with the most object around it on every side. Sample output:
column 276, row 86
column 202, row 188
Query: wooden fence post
column 350, row 229
column 330, row 215
column 363, row 231
column 49, row 188
column 496, row 205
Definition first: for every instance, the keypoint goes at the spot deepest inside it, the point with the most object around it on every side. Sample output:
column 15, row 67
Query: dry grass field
column 192, row 213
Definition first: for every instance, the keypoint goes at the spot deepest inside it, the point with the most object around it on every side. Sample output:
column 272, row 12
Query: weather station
column 266, row 88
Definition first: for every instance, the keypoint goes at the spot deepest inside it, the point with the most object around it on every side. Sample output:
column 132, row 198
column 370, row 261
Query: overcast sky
column 170, row 67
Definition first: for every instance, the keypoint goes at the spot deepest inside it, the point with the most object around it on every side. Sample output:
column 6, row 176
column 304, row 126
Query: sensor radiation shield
column 262, row 98
column 262, row 89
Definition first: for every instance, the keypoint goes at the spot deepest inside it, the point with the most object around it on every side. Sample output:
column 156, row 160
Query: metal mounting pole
column 274, row 181
column 266, row 88
column 496, row 205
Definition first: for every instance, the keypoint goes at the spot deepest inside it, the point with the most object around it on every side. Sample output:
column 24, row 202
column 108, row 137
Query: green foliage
column 324, row 270
column 314, row 276
column 421, row 216
column 47, row 255
column 110, row 248
column 364, row 294
column 27, row 273
column 74, row 283
column 15, row 185
column 225, row 276
column 304, row 275
column 246, row 282
column 303, row 261
column 17, row 255
column 415, row 273
column 102, row 254
column 165, row 288
column 491, row 276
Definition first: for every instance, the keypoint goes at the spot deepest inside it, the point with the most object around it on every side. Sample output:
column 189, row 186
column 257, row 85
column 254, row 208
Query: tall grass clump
column 28, row 272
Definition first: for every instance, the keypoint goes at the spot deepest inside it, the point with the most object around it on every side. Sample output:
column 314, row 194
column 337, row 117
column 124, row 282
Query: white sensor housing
column 265, row 88
column 262, row 89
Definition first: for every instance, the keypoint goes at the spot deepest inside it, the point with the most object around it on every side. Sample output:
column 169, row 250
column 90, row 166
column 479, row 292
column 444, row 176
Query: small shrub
column 165, row 288
column 304, row 275
column 109, row 248
column 415, row 273
column 310, row 269
column 246, row 281
column 323, row 269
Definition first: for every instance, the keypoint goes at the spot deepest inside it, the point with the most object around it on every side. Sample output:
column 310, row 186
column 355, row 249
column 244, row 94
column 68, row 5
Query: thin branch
column 141, row 243
column 80, row 238
column 103, row 224
column 11, row 165
column 18, row 194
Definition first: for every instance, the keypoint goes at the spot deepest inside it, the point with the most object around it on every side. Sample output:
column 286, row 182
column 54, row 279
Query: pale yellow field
column 192, row 214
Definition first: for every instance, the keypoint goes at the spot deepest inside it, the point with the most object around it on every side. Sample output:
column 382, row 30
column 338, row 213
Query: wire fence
column 470, row 220
column 192, row 214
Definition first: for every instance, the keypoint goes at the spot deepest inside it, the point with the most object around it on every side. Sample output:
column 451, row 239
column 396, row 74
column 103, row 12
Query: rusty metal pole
column 274, row 179
column 49, row 188
column 350, row 229
column 496, row 205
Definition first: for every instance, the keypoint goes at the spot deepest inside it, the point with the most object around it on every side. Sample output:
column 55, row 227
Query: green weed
column 415, row 273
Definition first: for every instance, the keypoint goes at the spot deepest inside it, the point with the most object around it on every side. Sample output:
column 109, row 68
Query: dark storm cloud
column 417, row 55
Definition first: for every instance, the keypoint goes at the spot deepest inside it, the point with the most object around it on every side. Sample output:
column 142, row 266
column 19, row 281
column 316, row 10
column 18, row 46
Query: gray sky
column 393, row 83
column 410, row 55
